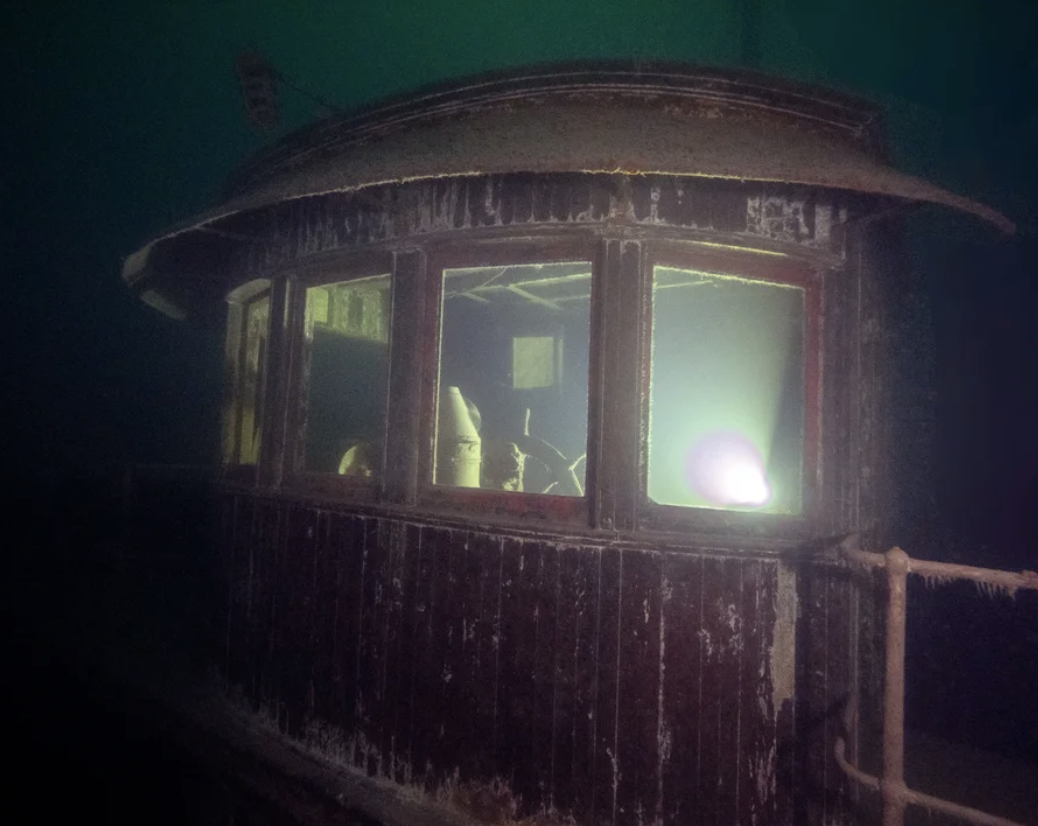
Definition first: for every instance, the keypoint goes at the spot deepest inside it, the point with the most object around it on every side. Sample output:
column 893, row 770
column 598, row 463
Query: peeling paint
column 778, row 218
column 663, row 734
column 707, row 642
column 783, row 647
column 823, row 224
column 693, row 604
column 586, row 215
column 764, row 776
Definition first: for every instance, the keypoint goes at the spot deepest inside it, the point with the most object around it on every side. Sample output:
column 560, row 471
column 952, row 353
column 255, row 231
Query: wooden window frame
column 337, row 269
column 759, row 267
column 616, row 493
column 238, row 303
column 558, row 510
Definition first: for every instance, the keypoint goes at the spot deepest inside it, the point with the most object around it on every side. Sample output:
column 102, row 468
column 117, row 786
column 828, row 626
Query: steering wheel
column 562, row 470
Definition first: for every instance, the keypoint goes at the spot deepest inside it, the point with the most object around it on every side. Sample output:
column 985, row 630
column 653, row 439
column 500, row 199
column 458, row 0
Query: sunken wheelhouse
column 546, row 393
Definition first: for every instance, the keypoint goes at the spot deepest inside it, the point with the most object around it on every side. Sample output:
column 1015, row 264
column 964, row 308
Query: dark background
column 122, row 117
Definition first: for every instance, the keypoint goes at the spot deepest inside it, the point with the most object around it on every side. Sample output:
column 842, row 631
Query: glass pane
column 726, row 427
column 253, row 378
column 347, row 337
column 512, row 410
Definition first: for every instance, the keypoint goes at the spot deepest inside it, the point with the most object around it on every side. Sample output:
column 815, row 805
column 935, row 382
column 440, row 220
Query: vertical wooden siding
column 614, row 685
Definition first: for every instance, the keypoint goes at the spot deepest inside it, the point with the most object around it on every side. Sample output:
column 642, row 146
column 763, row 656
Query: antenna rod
column 295, row 87
column 259, row 81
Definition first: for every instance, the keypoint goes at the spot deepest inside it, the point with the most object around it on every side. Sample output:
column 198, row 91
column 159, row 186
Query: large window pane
column 512, row 407
column 347, row 337
column 726, row 428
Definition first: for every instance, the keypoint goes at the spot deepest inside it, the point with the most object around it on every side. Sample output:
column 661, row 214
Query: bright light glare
column 727, row 407
column 728, row 471
column 743, row 484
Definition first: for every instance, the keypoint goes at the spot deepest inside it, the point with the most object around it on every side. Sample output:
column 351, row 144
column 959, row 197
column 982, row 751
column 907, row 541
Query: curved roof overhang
column 644, row 120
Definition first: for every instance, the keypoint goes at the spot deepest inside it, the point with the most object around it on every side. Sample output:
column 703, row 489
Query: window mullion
column 620, row 313
column 410, row 340
column 276, row 389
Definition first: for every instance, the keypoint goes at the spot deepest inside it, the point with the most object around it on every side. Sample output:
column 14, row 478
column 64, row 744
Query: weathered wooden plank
column 720, row 663
column 604, row 195
column 604, row 684
column 323, row 627
column 433, row 596
column 521, row 192
column 222, row 608
column 268, row 544
column 580, row 200
column 761, row 748
column 516, row 752
column 410, row 644
column 567, row 620
column 346, row 557
column 561, row 199
column 542, row 192
column 393, row 544
column 253, row 640
column 713, row 684
column 580, row 590
column 487, row 202
column 238, row 638
column 462, row 741
column 483, row 654
column 681, row 725
column 296, row 588
column 810, row 765
column 351, row 605
column 788, row 768
column 754, row 775
column 840, row 366
column 512, row 623
column 545, row 606
column 837, row 683
column 461, row 216
column 732, row 650
column 606, row 768
column 370, row 653
column 639, row 690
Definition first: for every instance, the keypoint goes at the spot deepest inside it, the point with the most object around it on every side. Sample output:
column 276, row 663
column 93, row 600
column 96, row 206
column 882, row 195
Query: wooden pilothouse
column 550, row 396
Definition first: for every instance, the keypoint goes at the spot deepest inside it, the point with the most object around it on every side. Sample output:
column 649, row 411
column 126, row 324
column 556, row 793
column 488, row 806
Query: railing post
column 893, row 783
column 896, row 795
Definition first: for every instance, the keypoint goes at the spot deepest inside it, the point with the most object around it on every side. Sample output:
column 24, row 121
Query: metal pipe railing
column 894, row 689
column 896, row 795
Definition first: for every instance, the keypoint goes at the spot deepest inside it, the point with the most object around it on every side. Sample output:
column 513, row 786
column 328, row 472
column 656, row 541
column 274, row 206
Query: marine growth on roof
column 631, row 119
